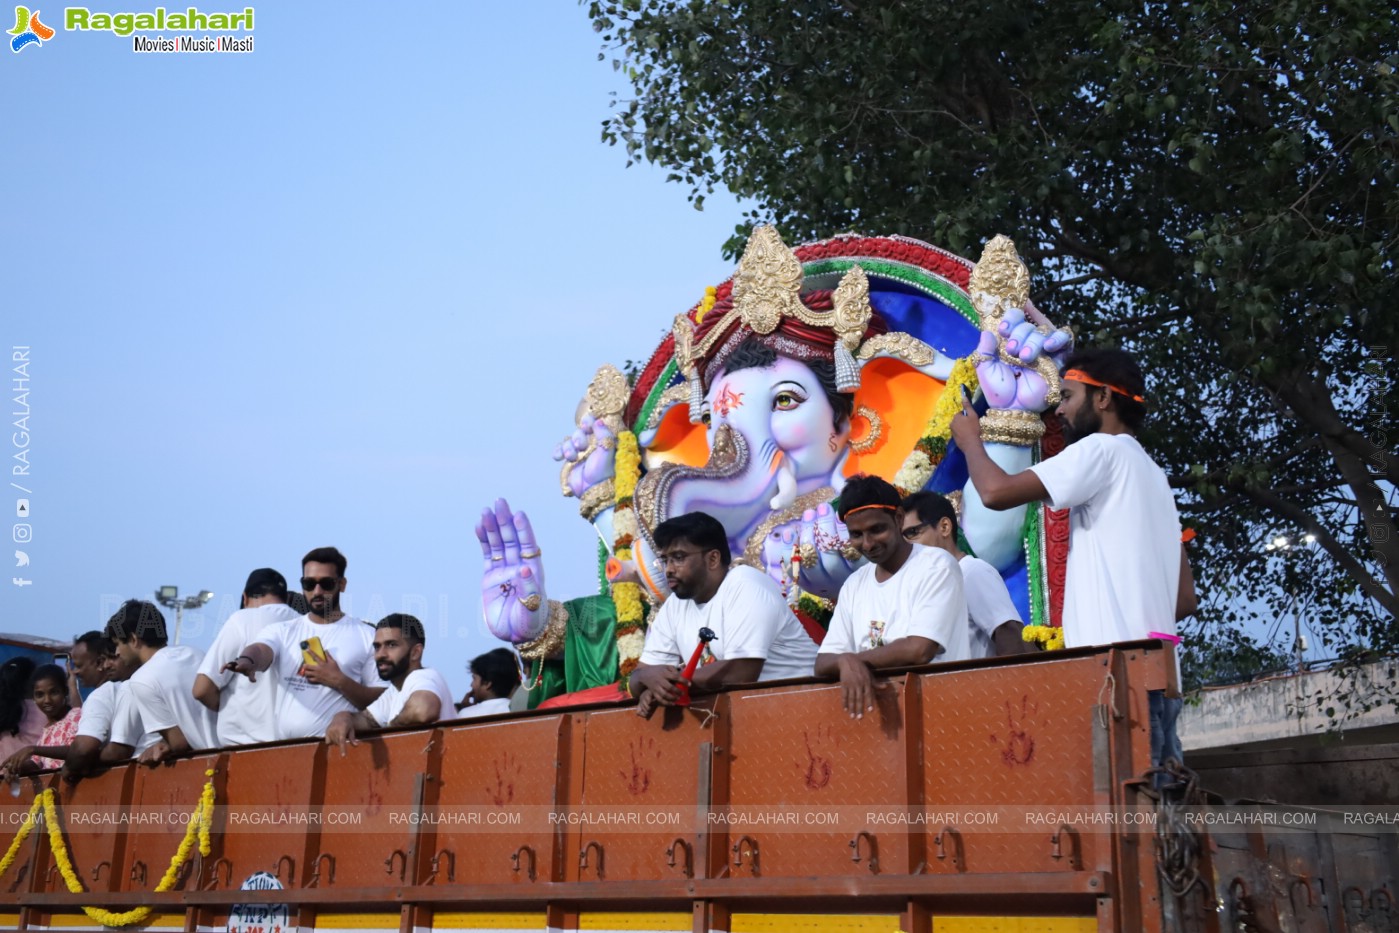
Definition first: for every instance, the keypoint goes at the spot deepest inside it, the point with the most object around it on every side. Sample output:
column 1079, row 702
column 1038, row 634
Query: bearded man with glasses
column 324, row 659
column 756, row 636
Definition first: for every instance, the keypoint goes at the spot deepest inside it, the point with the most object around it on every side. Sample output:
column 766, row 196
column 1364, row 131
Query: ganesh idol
column 808, row 366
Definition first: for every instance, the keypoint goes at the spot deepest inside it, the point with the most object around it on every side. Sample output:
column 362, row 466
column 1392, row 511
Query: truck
column 1005, row 794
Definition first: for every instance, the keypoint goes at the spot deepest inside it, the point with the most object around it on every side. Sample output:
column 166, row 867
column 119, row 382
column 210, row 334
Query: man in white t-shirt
column 110, row 729
column 161, row 689
column 1128, row 576
column 930, row 520
column 904, row 608
column 324, row 659
column 756, row 635
column 247, row 710
column 415, row 695
column 494, row 677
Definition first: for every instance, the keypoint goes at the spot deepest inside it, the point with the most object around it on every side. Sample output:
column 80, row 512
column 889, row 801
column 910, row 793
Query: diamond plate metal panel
column 265, row 803
column 1011, row 736
column 808, row 773
column 171, row 790
column 642, row 778
column 494, row 772
column 369, row 806
column 97, row 849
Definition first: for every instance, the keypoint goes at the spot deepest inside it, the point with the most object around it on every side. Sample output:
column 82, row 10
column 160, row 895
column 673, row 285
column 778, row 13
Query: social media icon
column 21, row 508
column 21, row 559
column 23, row 533
column 21, row 581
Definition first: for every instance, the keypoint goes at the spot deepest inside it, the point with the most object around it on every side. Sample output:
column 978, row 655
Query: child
column 49, row 687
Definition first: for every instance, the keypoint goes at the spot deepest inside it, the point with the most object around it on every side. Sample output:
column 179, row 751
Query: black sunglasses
column 329, row 584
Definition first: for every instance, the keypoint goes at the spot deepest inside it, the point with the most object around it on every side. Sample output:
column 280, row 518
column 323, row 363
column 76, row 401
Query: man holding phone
column 324, row 660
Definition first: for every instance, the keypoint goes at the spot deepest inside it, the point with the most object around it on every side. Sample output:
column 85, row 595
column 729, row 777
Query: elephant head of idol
column 770, row 379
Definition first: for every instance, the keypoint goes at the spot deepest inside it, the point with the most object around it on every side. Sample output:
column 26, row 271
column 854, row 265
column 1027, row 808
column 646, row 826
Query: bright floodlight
column 167, row 593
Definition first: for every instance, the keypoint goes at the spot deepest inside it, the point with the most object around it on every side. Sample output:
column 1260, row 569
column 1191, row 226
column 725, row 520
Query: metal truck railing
column 976, row 796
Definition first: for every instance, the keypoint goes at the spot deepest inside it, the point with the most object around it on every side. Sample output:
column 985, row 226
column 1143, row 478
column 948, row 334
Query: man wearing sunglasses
column 324, row 659
column 756, row 635
column 930, row 519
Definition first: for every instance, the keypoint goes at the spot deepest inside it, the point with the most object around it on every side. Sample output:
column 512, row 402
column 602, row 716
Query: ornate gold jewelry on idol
column 767, row 288
column 550, row 641
column 531, row 554
column 806, row 553
column 530, row 602
column 1018, row 428
column 768, row 285
column 1000, row 274
column 607, row 393
column 595, row 499
column 899, row 345
column 875, row 432
column 753, row 547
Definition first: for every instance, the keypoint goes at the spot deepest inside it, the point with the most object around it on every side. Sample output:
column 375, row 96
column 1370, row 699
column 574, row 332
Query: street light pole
column 169, row 596
column 1286, row 544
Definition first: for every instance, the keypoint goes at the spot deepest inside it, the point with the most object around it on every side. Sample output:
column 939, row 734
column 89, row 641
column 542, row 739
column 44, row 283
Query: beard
column 324, row 605
column 1085, row 423
column 394, row 671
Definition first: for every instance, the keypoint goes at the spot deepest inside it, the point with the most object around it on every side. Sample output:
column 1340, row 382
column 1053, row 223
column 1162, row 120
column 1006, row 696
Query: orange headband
column 892, row 508
column 1078, row 375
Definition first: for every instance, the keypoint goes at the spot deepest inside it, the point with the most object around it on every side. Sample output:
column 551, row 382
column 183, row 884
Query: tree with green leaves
column 1213, row 186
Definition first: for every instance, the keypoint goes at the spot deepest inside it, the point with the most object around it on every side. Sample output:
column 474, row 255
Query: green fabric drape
column 590, row 650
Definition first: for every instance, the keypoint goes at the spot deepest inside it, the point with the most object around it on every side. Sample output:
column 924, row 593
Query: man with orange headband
column 1128, row 577
column 904, row 608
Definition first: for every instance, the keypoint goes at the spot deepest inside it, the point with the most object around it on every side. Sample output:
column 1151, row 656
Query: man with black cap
column 247, row 708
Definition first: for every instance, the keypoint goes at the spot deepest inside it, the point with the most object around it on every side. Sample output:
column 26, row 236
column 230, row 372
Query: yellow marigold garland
column 919, row 465
column 627, row 596
column 24, row 830
column 1049, row 637
column 196, row 831
column 711, row 295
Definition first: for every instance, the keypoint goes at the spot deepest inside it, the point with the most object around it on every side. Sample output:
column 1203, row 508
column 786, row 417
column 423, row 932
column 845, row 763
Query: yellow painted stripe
column 9, row 920
column 1015, row 925
column 598, row 920
column 460, row 920
column 329, row 921
column 813, row 923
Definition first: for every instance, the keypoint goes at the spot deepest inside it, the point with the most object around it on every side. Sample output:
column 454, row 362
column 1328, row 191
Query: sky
column 346, row 290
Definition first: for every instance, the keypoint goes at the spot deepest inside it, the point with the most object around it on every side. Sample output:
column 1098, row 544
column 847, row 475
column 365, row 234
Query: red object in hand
column 706, row 635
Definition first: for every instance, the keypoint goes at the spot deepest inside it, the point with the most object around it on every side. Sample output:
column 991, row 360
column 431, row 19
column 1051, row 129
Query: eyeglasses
column 674, row 557
column 329, row 584
column 913, row 531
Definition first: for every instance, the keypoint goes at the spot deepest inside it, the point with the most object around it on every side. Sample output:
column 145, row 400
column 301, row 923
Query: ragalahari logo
column 28, row 30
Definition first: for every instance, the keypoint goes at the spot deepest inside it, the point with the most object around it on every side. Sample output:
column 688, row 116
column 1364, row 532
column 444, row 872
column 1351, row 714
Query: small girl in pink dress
column 50, row 688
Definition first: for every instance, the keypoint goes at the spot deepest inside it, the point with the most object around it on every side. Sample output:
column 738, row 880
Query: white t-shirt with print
column 989, row 605
column 392, row 700
column 304, row 709
column 247, row 709
column 162, row 691
column 750, row 619
column 1124, row 540
column 924, row 598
